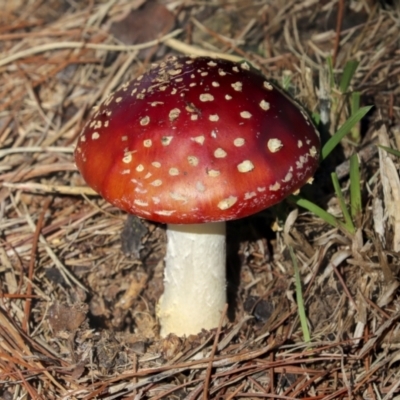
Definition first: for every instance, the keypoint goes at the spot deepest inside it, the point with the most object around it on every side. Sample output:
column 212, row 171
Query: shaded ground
column 77, row 307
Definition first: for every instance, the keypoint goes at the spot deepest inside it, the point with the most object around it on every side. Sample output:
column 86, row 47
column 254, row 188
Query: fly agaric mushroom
column 192, row 143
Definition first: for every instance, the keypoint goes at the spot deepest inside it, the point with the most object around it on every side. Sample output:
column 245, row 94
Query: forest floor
column 78, row 297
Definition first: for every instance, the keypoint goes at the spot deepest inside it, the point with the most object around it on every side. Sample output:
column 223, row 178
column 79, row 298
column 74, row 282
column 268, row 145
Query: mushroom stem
column 194, row 281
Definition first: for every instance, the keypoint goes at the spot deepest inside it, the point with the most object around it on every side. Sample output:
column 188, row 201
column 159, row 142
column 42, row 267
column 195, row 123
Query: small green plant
column 344, row 86
column 350, row 123
column 342, row 95
column 286, row 81
column 351, row 214
column 355, row 186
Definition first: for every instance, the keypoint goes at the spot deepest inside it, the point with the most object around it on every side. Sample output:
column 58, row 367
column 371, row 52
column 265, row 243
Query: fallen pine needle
column 45, row 188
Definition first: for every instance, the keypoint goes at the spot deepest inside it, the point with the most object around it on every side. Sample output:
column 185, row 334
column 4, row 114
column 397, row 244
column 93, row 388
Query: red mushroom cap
column 197, row 140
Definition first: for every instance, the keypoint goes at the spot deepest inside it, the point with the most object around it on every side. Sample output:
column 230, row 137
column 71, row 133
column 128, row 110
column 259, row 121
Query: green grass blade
column 286, row 82
column 349, row 226
column 329, row 63
column 390, row 150
column 343, row 131
column 318, row 211
column 316, row 117
column 354, row 107
column 355, row 102
column 348, row 73
column 355, row 187
column 299, row 297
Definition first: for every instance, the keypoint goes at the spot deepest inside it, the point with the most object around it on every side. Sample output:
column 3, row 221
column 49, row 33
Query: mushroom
column 192, row 143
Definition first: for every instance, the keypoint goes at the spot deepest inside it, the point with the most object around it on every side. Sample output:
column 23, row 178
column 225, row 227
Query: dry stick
column 36, row 149
column 28, row 302
column 367, row 362
column 300, row 384
column 232, row 376
column 391, row 105
column 198, row 51
column 20, row 25
column 232, row 395
column 272, row 374
column 164, row 395
column 3, row 130
column 36, row 170
column 335, row 395
column 83, row 45
column 48, row 118
column 255, row 383
column 367, row 377
column 266, row 395
column 212, row 355
column 375, row 306
column 345, row 288
column 308, row 383
column 378, row 334
column 42, row 34
column 194, row 392
column 44, row 188
column 29, row 388
column 339, row 21
column 393, row 389
column 5, row 245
